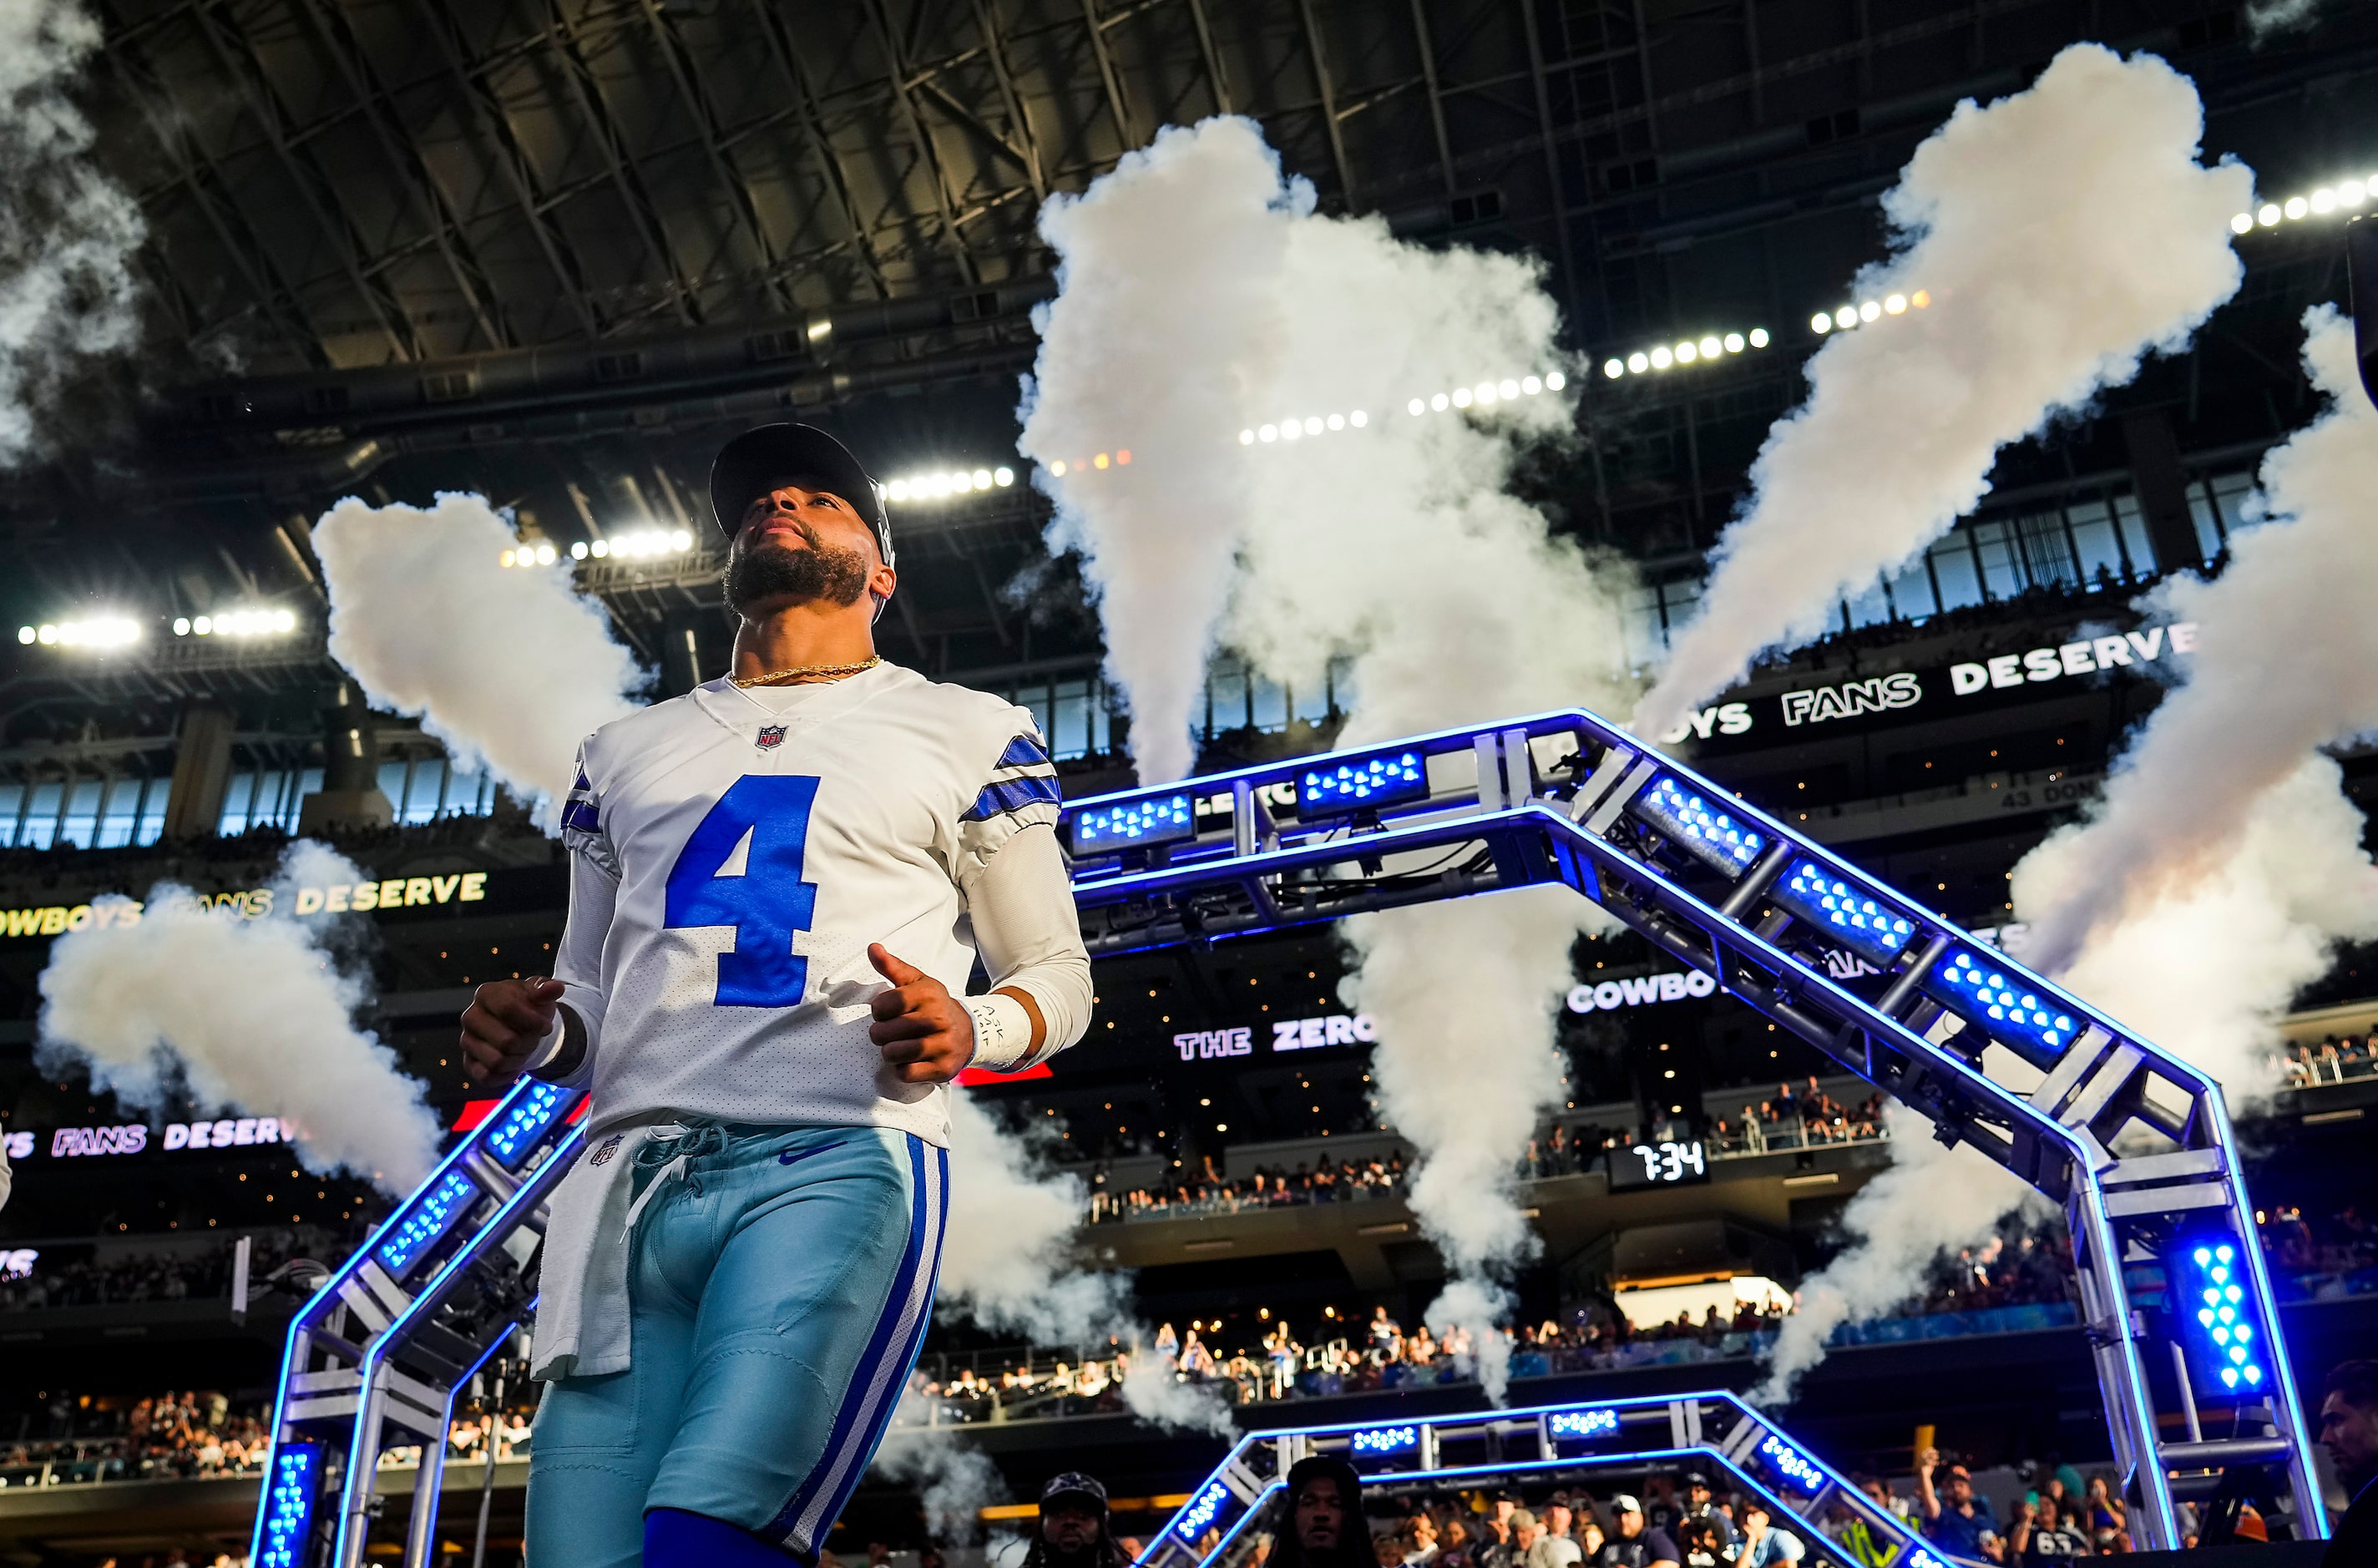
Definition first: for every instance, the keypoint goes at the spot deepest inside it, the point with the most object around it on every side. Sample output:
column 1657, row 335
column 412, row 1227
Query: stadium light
column 1849, row 915
column 2348, row 196
column 93, row 631
column 1865, row 313
column 947, row 484
column 237, row 623
column 1689, row 351
column 643, row 544
column 1975, row 986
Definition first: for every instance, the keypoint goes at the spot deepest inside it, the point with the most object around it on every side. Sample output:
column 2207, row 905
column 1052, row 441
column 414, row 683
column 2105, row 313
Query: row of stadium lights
column 119, row 631
column 2346, row 196
column 1691, row 350
column 1485, row 394
column 1866, row 313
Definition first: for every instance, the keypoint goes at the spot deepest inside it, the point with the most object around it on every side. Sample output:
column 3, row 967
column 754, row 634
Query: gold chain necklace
column 810, row 673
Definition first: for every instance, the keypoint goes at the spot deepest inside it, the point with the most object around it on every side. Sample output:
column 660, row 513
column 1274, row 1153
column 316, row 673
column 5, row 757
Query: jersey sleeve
column 1018, row 791
column 582, row 821
column 567, row 1056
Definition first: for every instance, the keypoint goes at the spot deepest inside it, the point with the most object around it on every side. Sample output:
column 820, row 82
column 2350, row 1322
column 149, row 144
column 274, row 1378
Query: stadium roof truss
column 1504, row 1447
column 2136, row 1143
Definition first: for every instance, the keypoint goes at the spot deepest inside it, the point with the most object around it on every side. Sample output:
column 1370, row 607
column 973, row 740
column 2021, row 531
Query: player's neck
column 803, row 636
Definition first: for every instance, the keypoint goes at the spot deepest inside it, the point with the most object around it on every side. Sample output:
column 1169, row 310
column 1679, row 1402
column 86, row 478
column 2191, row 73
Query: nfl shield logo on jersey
column 771, row 738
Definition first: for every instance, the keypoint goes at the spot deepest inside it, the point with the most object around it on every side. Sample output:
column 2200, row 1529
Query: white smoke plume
column 1473, row 1309
column 2207, row 969
column 2043, row 291
column 2279, row 673
column 67, row 233
column 1932, row 1199
column 2274, row 19
column 507, row 666
column 1158, row 533
column 1206, row 312
column 954, row 1480
column 2213, row 879
column 251, row 1014
column 1008, row 1265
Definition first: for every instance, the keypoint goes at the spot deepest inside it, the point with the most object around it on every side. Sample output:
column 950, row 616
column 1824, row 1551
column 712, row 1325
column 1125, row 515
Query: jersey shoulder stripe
column 579, row 813
column 1011, row 795
column 1025, row 752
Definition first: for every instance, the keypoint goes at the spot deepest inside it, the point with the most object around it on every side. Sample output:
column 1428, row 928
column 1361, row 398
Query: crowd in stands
column 164, row 1437
column 176, row 1277
column 1797, row 1119
column 1792, row 1119
column 1348, row 1353
column 2058, row 1516
column 2334, row 1060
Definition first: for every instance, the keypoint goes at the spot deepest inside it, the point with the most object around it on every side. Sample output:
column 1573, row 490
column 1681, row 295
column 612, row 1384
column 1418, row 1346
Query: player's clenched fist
column 925, row 1033
column 502, row 1025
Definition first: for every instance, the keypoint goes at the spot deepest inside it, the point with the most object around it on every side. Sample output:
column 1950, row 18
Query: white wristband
column 1003, row 1031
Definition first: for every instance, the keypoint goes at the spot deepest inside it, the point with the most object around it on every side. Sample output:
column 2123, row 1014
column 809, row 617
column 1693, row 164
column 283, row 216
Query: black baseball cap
column 1073, row 1483
column 759, row 460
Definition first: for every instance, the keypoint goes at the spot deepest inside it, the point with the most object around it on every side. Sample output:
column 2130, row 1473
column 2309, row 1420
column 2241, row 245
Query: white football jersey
column 752, row 845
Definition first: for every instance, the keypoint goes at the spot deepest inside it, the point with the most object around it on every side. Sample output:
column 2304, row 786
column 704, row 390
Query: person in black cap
column 1075, row 1530
column 1701, row 1503
column 780, row 883
column 1321, row 1523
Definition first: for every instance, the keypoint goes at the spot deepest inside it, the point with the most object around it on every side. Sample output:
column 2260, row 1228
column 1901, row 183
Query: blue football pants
column 778, row 1291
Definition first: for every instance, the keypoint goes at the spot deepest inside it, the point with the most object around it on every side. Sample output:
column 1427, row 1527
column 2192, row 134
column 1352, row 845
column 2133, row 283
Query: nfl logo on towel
column 771, row 738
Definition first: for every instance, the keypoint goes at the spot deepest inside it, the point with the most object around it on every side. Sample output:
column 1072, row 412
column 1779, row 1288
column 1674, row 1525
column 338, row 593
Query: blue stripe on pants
column 874, row 1394
column 770, row 1288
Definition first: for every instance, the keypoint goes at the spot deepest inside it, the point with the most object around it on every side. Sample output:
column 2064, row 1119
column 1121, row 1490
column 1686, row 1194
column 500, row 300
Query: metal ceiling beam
column 510, row 156
column 995, row 46
column 1555, row 196
column 643, row 216
column 236, row 57
column 1427, row 46
column 1124, row 136
column 1216, row 79
column 738, row 190
column 1328, row 100
column 401, row 154
column 197, row 174
column 774, row 28
column 944, row 198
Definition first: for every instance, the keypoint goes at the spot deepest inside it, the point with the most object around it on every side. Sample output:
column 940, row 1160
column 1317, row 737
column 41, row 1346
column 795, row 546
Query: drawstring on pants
column 670, row 1157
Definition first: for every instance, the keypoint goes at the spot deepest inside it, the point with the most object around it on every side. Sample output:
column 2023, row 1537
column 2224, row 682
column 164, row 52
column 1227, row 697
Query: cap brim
column 748, row 466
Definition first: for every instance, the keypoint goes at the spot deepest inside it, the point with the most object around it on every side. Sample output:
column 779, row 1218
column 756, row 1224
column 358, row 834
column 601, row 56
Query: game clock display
column 1663, row 1164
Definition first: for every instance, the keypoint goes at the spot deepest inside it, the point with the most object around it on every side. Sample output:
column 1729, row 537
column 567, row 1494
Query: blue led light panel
column 1200, row 1515
column 428, row 1218
column 1699, row 825
column 1386, row 1440
column 524, row 1121
column 1335, row 788
column 2209, row 1296
column 2006, row 1006
column 1791, row 1465
column 297, row 1481
column 1843, row 911
column 1134, row 824
column 1595, row 1421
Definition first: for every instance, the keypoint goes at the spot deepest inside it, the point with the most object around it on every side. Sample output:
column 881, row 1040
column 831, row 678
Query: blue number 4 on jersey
column 768, row 903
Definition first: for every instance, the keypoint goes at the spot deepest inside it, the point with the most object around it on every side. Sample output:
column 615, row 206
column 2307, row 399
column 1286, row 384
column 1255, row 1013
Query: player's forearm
column 565, row 1055
column 1022, row 906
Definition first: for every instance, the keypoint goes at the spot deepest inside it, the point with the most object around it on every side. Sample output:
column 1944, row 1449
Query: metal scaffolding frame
column 1713, row 1430
column 2134, row 1142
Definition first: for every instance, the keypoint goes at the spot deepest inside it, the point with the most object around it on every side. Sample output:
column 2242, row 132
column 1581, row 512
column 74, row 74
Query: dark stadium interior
column 554, row 253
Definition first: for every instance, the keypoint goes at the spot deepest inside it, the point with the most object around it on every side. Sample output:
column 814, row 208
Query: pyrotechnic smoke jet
column 253, row 1013
column 507, row 665
column 1322, row 422
column 2212, row 879
column 68, row 232
column 2062, row 233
